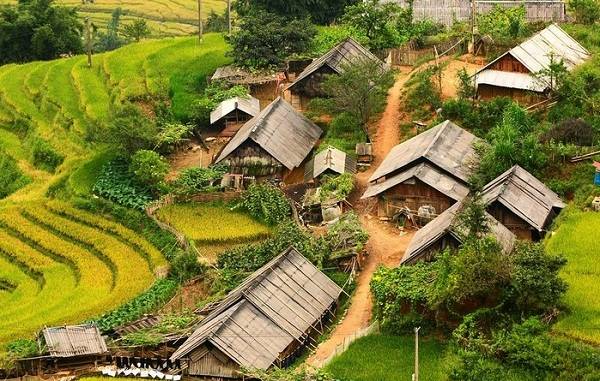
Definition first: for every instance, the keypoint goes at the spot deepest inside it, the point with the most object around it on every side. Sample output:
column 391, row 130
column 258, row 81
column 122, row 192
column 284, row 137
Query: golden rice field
column 165, row 17
column 212, row 223
column 59, row 265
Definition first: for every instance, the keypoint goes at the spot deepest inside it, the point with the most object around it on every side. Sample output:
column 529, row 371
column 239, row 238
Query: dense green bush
column 185, row 266
column 327, row 38
column 479, row 118
column 43, row 155
column 149, row 168
column 504, row 24
column 116, row 184
column 196, row 180
column 23, row 348
column 586, row 11
column 337, row 187
column 214, row 94
column 11, row 176
column 424, row 94
column 266, row 203
column 131, row 131
column 343, row 133
column 161, row 292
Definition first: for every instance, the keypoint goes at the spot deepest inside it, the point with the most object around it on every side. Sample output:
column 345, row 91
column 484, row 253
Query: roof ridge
column 260, row 118
column 442, row 128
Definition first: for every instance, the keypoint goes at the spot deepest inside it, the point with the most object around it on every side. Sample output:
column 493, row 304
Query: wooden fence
column 343, row 346
column 409, row 55
column 449, row 11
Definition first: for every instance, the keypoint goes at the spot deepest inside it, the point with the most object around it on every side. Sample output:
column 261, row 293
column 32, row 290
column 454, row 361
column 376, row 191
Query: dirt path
column 449, row 79
column 386, row 246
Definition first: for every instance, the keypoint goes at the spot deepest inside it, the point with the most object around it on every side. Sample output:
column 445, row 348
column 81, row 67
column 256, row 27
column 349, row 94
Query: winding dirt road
column 386, row 246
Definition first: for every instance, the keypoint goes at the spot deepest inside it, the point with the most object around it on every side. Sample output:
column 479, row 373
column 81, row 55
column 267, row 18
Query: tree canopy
column 320, row 11
column 38, row 30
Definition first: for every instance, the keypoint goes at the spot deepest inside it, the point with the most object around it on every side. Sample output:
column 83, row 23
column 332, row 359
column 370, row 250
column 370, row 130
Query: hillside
column 64, row 101
column 165, row 18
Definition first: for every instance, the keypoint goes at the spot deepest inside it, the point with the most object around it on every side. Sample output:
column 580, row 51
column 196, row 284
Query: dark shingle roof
column 524, row 195
column 279, row 129
column 446, row 146
column 271, row 309
column 446, row 224
column 347, row 52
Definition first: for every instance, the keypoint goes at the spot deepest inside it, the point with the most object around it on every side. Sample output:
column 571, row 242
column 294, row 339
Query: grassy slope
column 577, row 239
column 165, row 17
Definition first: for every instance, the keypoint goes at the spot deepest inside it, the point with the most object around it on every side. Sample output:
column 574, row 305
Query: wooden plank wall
column 448, row 11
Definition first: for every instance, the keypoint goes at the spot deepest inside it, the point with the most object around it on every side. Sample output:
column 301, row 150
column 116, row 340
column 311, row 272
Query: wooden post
column 473, row 25
column 229, row 16
column 200, row 31
column 88, row 40
column 416, row 374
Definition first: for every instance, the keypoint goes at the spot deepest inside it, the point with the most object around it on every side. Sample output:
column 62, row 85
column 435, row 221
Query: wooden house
column 444, row 233
column 329, row 162
column 272, row 144
column 308, row 84
column 518, row 72
column 265, row 86
column 430, row 171
column 263, row 323
column 522, row 203
column 232, row 113
column 67, row 347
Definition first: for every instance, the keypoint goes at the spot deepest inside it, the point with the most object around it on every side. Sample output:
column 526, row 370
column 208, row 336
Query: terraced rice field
column 576, row 238
column 65, row 101
column 59, row 265
column 165, row 17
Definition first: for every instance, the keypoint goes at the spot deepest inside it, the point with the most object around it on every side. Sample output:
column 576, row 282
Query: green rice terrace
column 165, row 18
column 59, row 265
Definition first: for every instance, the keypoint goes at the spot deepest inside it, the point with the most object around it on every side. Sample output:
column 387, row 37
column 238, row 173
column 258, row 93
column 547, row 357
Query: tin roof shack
column 429, row 171
column 329, row 162
column 308, row 84
column 444, row 233
column 264, row 322
column 262, row 85
column 516, row 73
column 272, row 144
column 67, row 348
column 522, row 203
column 230, row 114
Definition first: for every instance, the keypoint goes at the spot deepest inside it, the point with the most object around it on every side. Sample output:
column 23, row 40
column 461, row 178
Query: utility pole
column 229, row 16
column 88, row 40
column 415, row 376
column 473, row 25
column 200, row 31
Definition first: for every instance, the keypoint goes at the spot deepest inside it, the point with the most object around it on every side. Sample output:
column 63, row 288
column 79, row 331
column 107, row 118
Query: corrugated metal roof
column 77, row 340
column 511, row 79
column 446, row 224
column 331, row 159
column 279, row 129
column 345, row 53
column 428, row 174
column 249, row 105
column 446, row 146
column 536, row 52
column 525, row 195
column 271, row 309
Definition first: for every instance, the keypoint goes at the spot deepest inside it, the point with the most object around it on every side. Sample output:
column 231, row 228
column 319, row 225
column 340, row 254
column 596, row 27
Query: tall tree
column 38, row 30
column 320, row 11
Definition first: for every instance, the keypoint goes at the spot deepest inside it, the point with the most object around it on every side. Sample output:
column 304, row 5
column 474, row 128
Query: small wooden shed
column 516, row 73
column 429, row 171
column 230, row 114
column 444, row 233
column 263, row 323
column 330, row 161
column 522, row 203
column 272, row 144
column 264, row 86
column 308, row 84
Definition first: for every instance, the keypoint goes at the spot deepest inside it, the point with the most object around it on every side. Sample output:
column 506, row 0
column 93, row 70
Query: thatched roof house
column 264, row 322
column 72, row 341
column 444, row 232
column 522, row 203
column 431, row 169
column 330, row 161
column 516, row 73
column 308, row 83
column 272, row 144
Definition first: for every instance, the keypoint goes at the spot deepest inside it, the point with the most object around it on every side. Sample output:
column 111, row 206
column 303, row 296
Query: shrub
column 329, row 37
column 266, row 203
column 214, row 94
column 131, row 131
column 148, row 167
column 185, row 266
column 199, row 180
column 116, row 184
column 343, row 133
column 337, row 187
column 504, row 24
column 11, row 176
column 572, row 131
column 23, row 348
column 44, row 156
column 586, row 11
column 424, row 94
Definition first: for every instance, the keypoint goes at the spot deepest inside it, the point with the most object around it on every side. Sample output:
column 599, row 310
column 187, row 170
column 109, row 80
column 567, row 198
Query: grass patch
column 384, row 357
column 577, row 239
column 213, row 223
